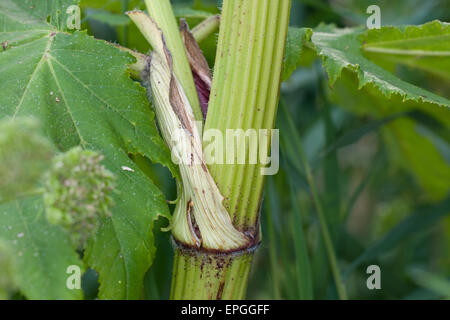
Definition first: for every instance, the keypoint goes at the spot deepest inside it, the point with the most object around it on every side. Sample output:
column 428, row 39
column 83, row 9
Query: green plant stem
column 303, row 265
column 206, row 27
column 325, row 233
column 245, row 93
column 161, row 12
column 208, row 276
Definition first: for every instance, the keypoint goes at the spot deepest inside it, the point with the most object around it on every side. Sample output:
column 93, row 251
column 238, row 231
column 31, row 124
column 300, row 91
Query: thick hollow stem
column 202, row 275
column 216, row 236
column 244, row 94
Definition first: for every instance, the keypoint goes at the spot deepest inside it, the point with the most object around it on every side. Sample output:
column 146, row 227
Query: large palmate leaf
column 18, row 16
column 42, row 252
column 425, row 47
column 343, row 49
column 79, row 89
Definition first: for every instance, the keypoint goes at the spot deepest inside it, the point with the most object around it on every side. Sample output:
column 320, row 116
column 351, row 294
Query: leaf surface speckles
column 79, row 89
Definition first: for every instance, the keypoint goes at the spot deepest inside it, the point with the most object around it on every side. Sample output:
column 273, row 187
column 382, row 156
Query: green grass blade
column 318, row 204
column 303, row 264
column 270, row 208
column 377, row 164
column 430, row 281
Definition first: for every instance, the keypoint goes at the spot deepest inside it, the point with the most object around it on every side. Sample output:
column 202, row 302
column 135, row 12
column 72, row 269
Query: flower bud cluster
column 78, row 193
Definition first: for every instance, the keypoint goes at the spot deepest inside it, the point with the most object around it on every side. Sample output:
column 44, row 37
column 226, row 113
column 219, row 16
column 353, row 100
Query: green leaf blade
column 296, row 40
column 79, row 89
column 342, row 49
column 425, row 47
column 29, row 14
column 42, row 252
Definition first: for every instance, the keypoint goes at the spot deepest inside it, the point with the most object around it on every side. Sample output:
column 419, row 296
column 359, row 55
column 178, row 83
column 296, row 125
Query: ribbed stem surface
column 244, row 96
column 209, row 276
column 245, row 93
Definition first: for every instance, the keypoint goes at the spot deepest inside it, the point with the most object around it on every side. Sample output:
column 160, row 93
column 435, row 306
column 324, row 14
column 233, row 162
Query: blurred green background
column 382, row 167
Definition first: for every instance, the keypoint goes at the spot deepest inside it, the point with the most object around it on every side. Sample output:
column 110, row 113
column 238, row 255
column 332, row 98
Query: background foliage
column 381, row 163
